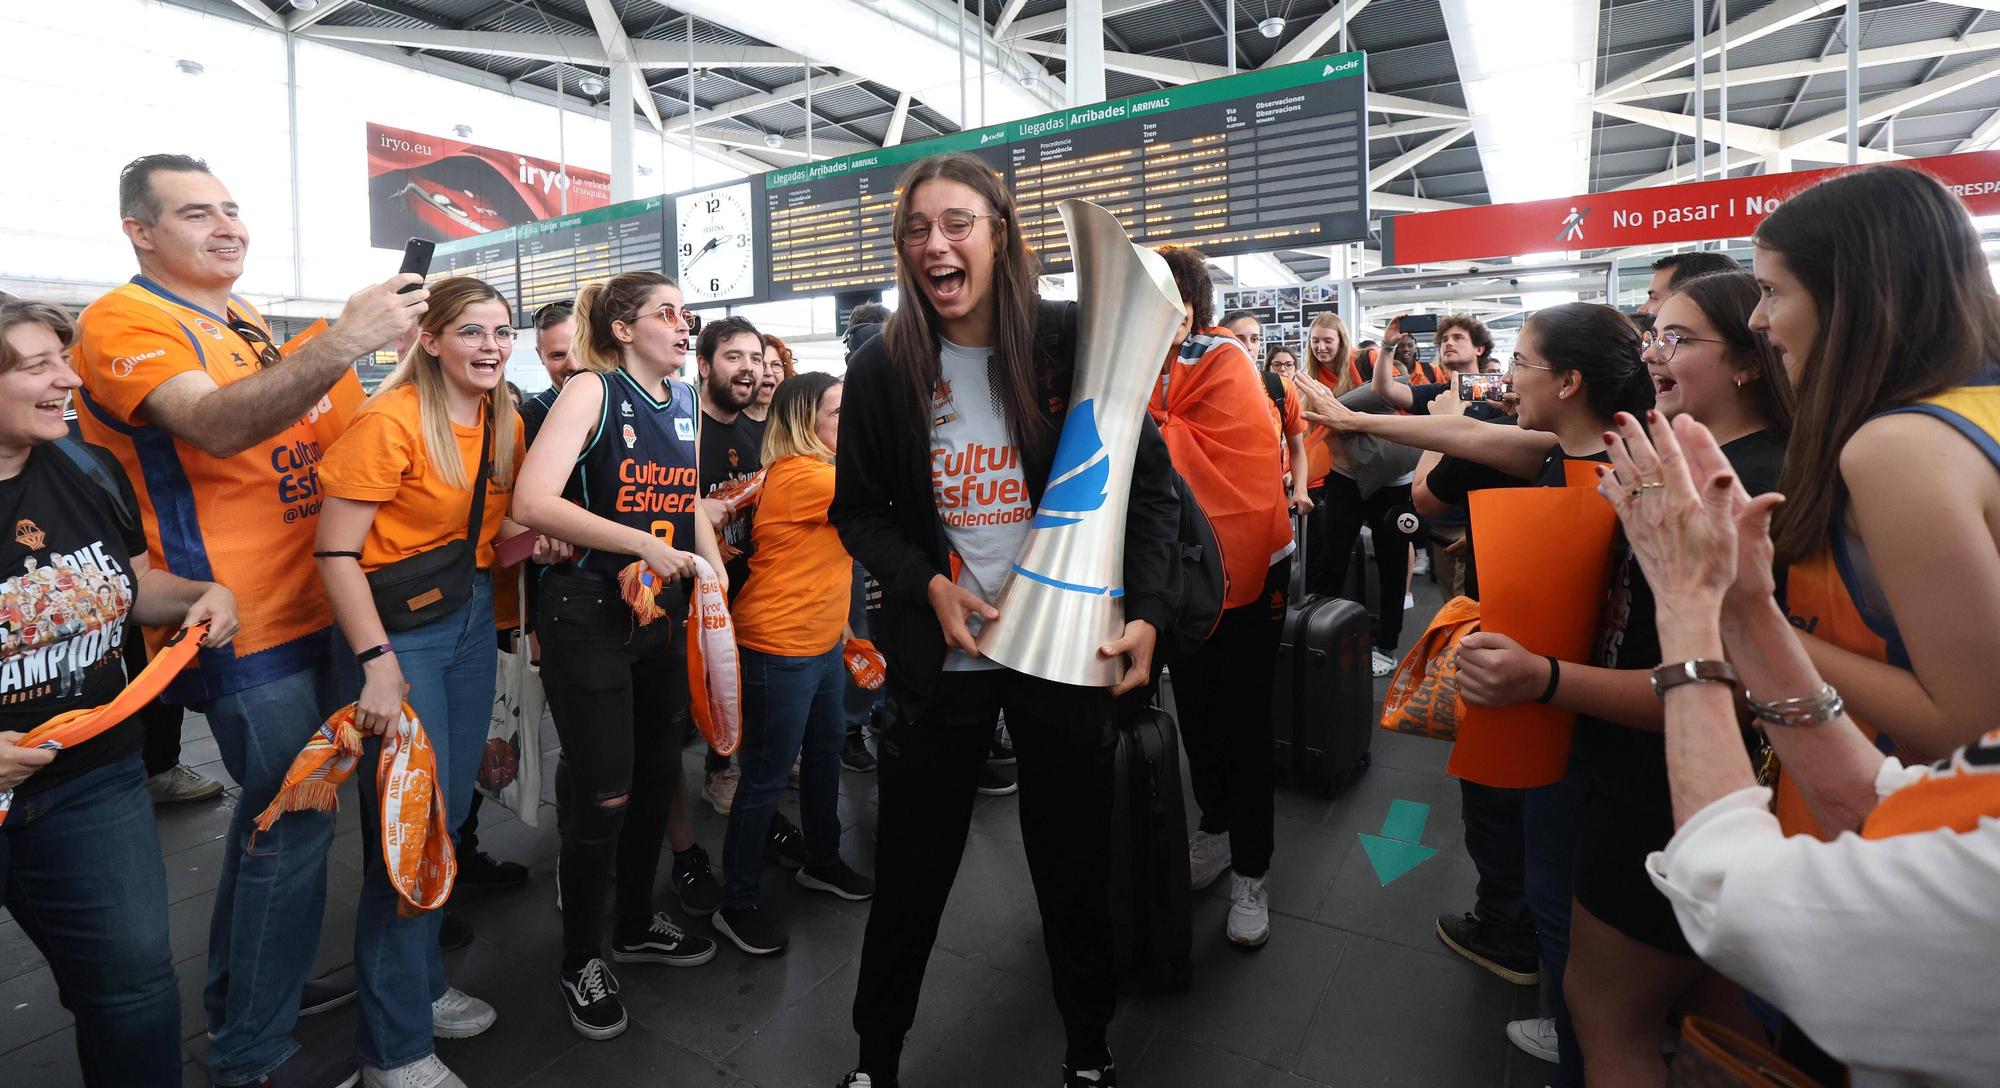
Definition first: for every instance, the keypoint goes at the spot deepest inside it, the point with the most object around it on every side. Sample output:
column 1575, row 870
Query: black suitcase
column 1322, row 699
column 1361, row 585
column 1151, row 907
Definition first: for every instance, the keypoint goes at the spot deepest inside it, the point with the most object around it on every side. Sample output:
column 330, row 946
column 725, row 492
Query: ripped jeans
column 614, row 689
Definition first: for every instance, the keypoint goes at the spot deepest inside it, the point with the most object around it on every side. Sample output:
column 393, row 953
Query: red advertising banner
column 1690, row 212
column 422, row 186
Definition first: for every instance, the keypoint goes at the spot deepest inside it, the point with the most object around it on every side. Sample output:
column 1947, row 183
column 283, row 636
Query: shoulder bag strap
column 479, row 482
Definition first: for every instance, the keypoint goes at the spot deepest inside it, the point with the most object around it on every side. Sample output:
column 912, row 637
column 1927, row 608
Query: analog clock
column 715, row 253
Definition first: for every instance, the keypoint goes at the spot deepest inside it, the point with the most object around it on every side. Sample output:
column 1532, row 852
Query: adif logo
column 1081, row 470
column 631, row 436
column 625, row 408
column 124, row 365
column 550, row 179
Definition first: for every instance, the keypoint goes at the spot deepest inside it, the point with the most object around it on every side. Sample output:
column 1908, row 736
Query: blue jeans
column 271, row 898
column 1550, row 816
column 80, row 870
column 449, row 664
column 791, row 710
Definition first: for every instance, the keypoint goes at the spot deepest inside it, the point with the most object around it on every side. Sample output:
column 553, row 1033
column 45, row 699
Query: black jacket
column 886, row 512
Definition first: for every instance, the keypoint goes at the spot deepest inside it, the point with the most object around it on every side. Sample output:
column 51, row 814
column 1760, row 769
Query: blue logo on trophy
column 1081, row 470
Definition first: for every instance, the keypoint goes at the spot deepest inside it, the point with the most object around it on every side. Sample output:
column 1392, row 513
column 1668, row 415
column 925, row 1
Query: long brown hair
column 1907, row 310
column 1343, row 376
column 598, row 305
column 910, row 336
column 425, row 371
column 1727, row 299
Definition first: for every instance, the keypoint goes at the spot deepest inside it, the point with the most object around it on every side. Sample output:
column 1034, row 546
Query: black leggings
column 614, row 689
column 1225, row 720
column 1346, row 513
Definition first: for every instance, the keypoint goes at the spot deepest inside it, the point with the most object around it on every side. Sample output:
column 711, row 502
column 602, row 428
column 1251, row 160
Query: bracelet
column 337, row 555
column 1555, row 680
column 1698, row 670
column 373, row 652
column 1804, row 711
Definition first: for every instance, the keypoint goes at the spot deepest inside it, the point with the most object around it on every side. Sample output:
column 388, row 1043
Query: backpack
column 86, row 462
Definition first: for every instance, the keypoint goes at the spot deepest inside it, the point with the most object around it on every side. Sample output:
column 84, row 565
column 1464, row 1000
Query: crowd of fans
column 1780, row 814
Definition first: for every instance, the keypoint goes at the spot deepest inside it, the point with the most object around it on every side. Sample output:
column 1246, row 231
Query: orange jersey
column 382, row 459
column 800, row 577
column 246, row 521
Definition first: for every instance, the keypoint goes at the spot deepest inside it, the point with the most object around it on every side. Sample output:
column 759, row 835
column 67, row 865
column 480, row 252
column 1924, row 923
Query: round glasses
column 955, row 224
column 1668, row 341
column 474, row 335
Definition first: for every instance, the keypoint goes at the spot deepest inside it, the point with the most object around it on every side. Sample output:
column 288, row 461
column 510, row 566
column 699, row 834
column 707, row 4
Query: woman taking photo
column 613, row 472
column 433, row 449
column 789, row 624
column 948, row 429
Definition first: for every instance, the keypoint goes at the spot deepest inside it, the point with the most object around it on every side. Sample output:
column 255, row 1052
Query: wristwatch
column 1698, row 670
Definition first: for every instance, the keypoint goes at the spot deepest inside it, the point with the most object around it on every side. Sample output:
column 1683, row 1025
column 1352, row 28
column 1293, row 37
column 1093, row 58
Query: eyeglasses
column 1518, row 361
column 267, row 352
column 473, row 336
column 955, row 223
column 671, row 314
column 1284, row 364
column 1672, row 340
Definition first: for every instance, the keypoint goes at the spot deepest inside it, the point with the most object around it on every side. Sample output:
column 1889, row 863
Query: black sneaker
column 694, row 883
column 592, row 996
column 1466, row 935
column 749, row 931
column 837, row 878
column 314, row 1067
column 454, row 933
column 478, row 871
column 1104, row 1076
column 858, row 1079
column 662, row 942
column 994, row 782
column 1001, row 754
column 328, row 992
column 855, row 756
column 787, row 844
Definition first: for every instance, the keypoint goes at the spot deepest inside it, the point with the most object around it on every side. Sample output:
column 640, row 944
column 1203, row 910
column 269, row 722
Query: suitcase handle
column 1297, row 588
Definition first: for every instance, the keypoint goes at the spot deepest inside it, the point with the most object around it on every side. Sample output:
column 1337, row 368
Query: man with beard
column 730, row 358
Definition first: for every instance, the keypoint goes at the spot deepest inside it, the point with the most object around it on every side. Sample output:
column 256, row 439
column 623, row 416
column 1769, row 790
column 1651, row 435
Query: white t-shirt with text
column 976, row 478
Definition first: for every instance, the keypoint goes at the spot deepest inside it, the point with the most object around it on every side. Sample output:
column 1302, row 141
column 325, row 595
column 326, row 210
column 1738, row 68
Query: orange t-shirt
column 382, row 459
column 800, row 577
column 246, row 521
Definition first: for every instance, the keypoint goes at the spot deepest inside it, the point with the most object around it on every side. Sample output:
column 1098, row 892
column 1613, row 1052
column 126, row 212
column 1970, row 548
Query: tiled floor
column 1353, row 989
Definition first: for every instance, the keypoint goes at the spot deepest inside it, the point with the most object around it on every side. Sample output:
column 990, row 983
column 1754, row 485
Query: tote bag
column 510, row 766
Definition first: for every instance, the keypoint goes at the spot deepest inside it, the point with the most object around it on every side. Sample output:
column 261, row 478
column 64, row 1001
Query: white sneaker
column 425, row 1072
column 719, row 788
column 180, row 783
column 1249, row 911
column 1537, row 1037
column 1409, row 601
column 1208, row 856
column 1381, row 664
column 459, row 1015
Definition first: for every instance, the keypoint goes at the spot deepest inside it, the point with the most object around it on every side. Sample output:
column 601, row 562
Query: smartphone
column 1487, row 387
column 1420, row 324
column 416, row 258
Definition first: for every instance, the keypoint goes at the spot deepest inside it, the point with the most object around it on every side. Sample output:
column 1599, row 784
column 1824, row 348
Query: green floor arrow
column 1399, row 848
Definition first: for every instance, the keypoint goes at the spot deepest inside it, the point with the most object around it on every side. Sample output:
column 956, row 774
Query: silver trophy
column 1064, row 596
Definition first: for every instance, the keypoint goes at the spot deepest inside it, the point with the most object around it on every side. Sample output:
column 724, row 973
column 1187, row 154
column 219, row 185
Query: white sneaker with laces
column 459, row 1015
column 1381, row 664
column 1208, row 857
column 1537, row 1037
column 719, row 789
column 1249, row 910
column 425, row 1072
column 180, row 783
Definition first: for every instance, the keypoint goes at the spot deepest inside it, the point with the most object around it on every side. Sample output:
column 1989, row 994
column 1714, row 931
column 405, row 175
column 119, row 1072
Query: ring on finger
column 1649, row 486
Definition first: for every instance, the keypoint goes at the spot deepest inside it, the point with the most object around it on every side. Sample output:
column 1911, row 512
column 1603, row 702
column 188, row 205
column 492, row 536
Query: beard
column 723, row 394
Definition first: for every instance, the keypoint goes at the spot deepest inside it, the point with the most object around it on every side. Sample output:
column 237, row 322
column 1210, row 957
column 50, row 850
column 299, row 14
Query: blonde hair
column 425, row 371
column 598, row 306
column 789, row 431
column 1343, row 378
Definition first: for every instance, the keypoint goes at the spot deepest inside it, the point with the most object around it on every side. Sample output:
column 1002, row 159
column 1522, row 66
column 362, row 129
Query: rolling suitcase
column 1361, row 584
column 1322, row 713
column 1151, row 907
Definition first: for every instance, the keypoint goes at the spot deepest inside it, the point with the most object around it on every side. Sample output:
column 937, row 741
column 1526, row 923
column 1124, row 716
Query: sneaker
column 1249, row 922
column 1466, row 935
column 663, row 942
column 459, row 1015
column 694, row 883
column 329, row 991
column 748, row 930
column 477, row 870
column 855, row 756
column 1001, row 754
column 858, row 1079
column 994, row 783
column 180, row 783
column 314, row 1067
column 838, row 878
column 1537, row 1037
column 592, row 995
column 454, row 933
column 1409, row 601
column 1104, row 1076
column 787, row 844
column 719, row 788
column 1208, row 856
column 425, row 1072
column 1380, row 664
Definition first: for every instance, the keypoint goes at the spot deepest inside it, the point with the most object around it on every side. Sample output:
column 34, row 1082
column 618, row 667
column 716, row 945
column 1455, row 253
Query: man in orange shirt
column 220, row 435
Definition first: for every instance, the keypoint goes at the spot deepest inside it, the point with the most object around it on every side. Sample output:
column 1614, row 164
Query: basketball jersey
column 639, row 470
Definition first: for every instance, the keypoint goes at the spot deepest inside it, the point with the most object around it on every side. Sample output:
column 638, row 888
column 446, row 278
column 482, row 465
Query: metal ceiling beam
column 736, row 107
column 559, row 48
column 261, row 13
column 1799, row 69
column 822, row 148
column 1741, row 32
column 1888, row 105
column 1414, row 127
column 1164, row 69
column 1414, row 107
column 1799, row 141
column 1397, row 202
column 1007, row 16
column 1409, row 160
column 1314, row 37
column 299, row 20
column 1686, row 172
column 1053, row 22
column 897, row 120
column 1984, row 136
column 618, row 49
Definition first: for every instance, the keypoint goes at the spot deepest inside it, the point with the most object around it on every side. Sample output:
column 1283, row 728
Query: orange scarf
column 715, row 685
column 416, row 833
column 865, row 664
column 73, row 727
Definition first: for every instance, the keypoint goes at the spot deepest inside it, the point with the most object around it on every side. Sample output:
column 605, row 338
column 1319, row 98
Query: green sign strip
column 626, row 209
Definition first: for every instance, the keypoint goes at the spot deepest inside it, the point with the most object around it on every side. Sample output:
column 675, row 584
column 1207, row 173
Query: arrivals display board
column 558, row 256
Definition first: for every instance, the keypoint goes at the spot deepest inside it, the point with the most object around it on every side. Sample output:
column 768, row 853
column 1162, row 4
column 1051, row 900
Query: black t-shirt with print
column 66, row 586
column 729, row 452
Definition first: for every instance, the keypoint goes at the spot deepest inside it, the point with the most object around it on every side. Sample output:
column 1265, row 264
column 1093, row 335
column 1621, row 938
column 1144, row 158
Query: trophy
column 1063, row 597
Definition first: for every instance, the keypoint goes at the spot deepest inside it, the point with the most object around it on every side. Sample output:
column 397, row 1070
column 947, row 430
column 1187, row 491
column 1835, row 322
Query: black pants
column 1496, row 840
column 613, row 689
column 929, row 775
column 1347, row 512
column 1222, row 695
column 161, row 749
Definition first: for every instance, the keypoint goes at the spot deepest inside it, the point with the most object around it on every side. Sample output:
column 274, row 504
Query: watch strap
column 1699, row 670
column 372, row 652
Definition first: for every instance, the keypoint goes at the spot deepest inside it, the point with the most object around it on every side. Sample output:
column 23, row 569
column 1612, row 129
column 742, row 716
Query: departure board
column 490, row 257
column 559, row 256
